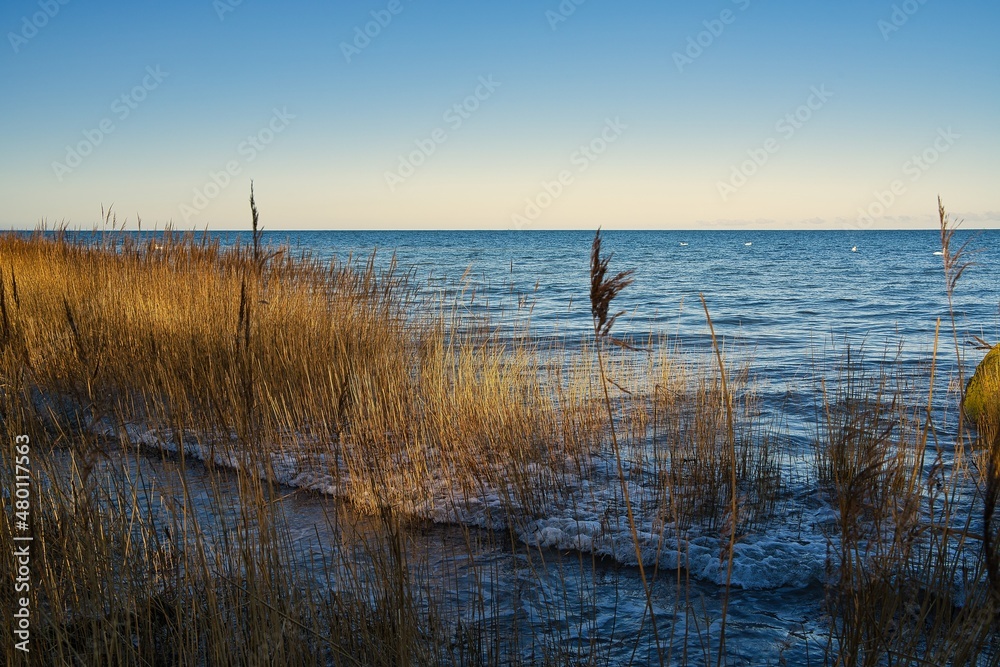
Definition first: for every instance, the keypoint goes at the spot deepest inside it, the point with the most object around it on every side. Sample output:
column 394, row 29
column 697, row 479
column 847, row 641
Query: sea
column 789, row 302
column 784, row 292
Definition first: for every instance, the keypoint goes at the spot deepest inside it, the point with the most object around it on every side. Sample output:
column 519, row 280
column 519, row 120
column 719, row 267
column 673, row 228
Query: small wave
column 582, row 522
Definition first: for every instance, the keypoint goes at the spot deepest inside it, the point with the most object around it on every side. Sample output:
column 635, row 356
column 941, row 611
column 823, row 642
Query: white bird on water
column 748, row 243
column 854, row 249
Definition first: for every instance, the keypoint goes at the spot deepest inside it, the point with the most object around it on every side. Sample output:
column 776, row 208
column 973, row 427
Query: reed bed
column 260, row 368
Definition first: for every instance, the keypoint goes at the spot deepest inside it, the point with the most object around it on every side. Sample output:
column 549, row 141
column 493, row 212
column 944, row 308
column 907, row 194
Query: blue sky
column 731, row 113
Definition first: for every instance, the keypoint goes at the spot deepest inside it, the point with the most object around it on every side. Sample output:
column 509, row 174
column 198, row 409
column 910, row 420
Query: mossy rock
column 982, row 394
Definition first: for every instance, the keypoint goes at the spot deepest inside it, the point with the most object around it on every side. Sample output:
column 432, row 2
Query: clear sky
column 476, row 114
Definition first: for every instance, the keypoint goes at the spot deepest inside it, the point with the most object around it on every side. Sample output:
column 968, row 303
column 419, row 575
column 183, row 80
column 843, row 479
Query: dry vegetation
column 256, row 358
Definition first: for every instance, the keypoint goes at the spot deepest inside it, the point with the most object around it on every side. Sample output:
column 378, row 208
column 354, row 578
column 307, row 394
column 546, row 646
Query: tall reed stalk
column 603, row 289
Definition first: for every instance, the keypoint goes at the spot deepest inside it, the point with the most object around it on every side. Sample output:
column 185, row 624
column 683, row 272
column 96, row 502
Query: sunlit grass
column 345, row 379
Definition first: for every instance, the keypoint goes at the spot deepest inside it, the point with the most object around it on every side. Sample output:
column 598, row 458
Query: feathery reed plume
column 246, row 314
column 602, row 291
column 955, row 264
column 3, row 310
column 258, row 232
column 13, row 287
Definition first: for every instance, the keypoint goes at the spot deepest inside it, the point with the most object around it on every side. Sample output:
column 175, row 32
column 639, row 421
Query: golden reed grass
column 251, row 354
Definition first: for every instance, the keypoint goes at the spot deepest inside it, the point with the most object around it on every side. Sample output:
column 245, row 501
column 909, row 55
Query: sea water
column 788, row 299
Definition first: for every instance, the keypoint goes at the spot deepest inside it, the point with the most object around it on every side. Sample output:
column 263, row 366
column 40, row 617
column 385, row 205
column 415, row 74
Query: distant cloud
column 928, row 221
column 730, row 223
column 991, row 217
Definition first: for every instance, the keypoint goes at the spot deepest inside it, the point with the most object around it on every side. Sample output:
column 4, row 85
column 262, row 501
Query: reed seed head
column 603, row 290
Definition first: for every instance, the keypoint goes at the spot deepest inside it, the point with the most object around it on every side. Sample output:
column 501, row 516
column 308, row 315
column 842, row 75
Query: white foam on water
column 588, row 516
